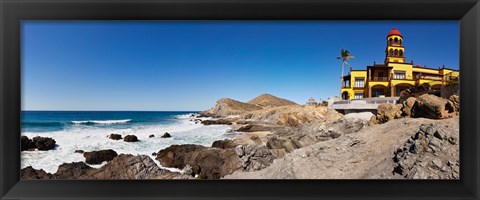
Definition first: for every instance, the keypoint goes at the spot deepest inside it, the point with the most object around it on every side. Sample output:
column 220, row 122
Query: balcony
column 378, row 78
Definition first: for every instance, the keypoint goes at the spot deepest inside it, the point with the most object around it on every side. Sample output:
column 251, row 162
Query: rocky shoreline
column 417, row 139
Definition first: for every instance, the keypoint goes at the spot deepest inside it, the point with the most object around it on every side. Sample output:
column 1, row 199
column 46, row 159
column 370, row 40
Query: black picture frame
column 12, row 12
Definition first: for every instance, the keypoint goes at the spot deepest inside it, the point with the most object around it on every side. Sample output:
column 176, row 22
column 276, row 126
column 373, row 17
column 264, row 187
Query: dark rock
column 154, row 154
column 218, row 121
column 126, row 166
column 30, row 173
column 151, row 136
column 130, row 138
column 26, row 143
column 224, row 144
column 44, row 143
column 79, row 151
column 114, row 136
column 208, row 163
column 75, row 170
column 97, row 157
column 439, row 134
column 166, row 135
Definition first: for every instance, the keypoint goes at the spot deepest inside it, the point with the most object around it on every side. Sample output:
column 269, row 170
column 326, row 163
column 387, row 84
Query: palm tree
column 345, row 55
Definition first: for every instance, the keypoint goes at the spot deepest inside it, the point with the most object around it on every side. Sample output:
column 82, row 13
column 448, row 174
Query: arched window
column 400, row 53
column 390, row 41
column 396, row 40
column 391, row 52
column 396, row 52
column 400, row 41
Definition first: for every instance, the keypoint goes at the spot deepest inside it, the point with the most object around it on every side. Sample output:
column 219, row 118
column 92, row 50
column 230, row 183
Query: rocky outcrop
column 130, row 138
column 40, row 143
column 426, row 106
column 218, row 121
column 225, row 107
column 208, row 163
column 224, row 144
column 268, row 101
column 126, row 166
column 387, row 112
column 97, row 157
column 26, row 143
column 433, row 107
column 75, row 170
column 293, row 116
column 114, row 136
column 430, row 153
column 30, row 173
column 254, row 157
column 166, row 135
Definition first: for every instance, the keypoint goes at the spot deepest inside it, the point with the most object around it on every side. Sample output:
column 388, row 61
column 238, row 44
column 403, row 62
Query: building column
column 392, row 93
column 369, row 91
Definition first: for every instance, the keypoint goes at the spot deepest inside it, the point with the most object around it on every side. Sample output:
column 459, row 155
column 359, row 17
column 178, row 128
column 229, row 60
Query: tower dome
column 394, row 31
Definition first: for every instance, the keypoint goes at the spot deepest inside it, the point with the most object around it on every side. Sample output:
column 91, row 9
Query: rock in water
column 126, row 166
column 224, row 144
column 44, row 143
column 26, row 143
column 151, row 136
column 130, row 138
column 166, row 135
column 97, row 157
column 114, row 136
column 208, row 163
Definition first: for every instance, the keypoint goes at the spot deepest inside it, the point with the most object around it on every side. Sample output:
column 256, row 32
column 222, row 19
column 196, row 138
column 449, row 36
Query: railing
column 378, row 78
column 366, row 102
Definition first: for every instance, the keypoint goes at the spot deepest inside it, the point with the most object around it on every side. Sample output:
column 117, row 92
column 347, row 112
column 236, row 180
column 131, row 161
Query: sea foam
column 91, row 138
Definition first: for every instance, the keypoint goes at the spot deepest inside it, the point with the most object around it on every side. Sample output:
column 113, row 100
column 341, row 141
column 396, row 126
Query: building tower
column 395, row 51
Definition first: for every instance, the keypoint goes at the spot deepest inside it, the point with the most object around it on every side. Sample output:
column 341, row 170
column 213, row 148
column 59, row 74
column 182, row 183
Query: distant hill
column 268, row 101
column 227, row 106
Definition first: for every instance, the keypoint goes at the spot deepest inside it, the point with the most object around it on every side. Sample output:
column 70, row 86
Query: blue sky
column 188, row 65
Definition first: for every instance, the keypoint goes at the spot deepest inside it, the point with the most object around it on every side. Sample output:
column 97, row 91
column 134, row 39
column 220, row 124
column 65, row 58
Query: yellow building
column 394, row 75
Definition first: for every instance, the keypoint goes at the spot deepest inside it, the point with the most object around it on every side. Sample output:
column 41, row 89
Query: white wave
column 91, row 138
column 122, row 121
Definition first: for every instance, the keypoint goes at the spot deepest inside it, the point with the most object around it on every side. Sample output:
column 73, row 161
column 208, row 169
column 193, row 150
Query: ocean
column 89, row 130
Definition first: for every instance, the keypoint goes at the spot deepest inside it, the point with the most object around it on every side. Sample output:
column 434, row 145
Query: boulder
column 79, row 151
column 218, row 121
column 26, row 143
column 224, row 144
column 166, row 135
column 114, row 136
column 387, row 112
column 130, row 138
column 151, row 136
column 455, row 99
column 208, row 163
column 97, row 157
column 408, row 106
column 30, row 173
column 433, row 107
column 44, row 143
column 126, row 166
